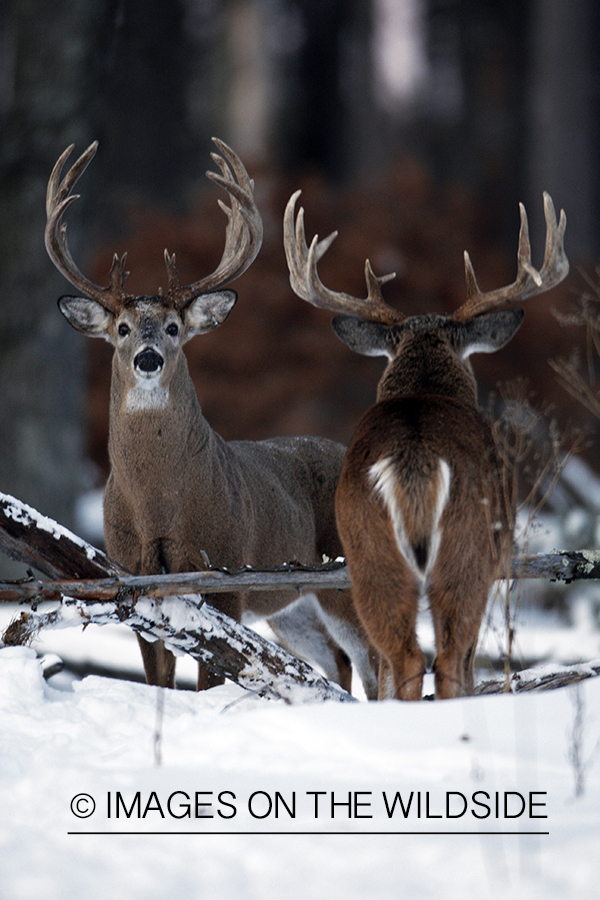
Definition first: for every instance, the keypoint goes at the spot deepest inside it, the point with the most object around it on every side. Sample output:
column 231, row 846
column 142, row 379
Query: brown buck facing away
column 421, row 507
column 177, row 491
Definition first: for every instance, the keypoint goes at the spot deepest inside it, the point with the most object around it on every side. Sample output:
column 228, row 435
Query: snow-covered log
column 541, row 678
column 183, row 622
column 31, row 538
column 559, row 565
column 93, row 588
column 226, row 647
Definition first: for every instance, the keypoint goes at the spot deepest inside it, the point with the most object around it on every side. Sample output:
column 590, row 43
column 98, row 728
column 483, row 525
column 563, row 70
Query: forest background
column 412, row 126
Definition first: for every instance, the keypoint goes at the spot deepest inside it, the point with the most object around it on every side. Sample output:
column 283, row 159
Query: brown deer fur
column 399, row 548
column 421, row 505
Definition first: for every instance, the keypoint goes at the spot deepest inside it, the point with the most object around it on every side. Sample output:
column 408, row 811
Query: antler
column 529, row 281
column 302, row 262
column 243, row 237
column 58, row 199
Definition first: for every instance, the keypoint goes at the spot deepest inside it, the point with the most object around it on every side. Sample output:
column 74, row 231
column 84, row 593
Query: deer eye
column 123, row 329
column 172, row 329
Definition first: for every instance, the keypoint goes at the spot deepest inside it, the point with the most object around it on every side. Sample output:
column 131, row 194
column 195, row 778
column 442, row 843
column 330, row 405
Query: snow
column 26, row 515
column 223, row 795
column 246, row 764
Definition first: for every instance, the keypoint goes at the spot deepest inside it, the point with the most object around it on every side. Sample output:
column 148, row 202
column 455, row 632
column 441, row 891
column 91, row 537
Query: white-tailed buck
column 178, row 492
column 421, row 506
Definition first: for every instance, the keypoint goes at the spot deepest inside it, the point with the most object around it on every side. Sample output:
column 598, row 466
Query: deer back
column 421, row 504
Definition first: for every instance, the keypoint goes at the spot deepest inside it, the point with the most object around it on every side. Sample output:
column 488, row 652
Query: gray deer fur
column 177, row 492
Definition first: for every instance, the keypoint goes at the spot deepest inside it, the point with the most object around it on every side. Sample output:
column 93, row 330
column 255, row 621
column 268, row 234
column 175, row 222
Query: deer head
column 148, row 333
column 483, row 324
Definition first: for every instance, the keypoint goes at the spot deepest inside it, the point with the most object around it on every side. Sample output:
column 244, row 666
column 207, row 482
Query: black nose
column 148, row 361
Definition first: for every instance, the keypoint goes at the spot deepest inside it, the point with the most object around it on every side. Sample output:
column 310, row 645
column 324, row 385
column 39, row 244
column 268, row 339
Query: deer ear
column 208, row 311
column 86, row 315
column 488, row 333
column 367, row 338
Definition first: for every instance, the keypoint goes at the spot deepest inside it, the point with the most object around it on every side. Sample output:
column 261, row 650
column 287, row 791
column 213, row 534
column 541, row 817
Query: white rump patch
column 382, row 475
column 443, row 493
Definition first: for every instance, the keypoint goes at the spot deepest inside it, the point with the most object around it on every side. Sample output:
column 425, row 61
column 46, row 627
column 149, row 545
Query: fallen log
column 541, row 678
column 87, row 582
column 226, row 647
column 185, row 623
column 563, row 565
column 29, row 537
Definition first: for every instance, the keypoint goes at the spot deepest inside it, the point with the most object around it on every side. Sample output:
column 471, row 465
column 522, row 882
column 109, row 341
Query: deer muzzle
column 148, row 362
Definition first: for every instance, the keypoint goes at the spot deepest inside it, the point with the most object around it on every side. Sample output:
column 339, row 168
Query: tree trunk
column 41, row 358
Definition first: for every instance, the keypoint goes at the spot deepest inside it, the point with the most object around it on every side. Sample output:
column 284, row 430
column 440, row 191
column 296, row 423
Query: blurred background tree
column 412, row 126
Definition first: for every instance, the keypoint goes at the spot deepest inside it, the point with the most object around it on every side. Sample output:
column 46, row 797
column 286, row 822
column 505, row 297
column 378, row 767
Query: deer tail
column 415, row 502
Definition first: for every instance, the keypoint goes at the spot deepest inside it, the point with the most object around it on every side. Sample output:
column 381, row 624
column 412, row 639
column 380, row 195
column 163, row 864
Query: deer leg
column 469, row 669
column 159, row 663
column 208, row 679
column 302, row 631
column 123, row 544
column 407, row 664
column 342, row 621
column 457, row 619
column 385, row 681
column 230, row 605
column 387, row 600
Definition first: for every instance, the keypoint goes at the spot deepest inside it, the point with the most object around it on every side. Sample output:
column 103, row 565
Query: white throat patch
column 146, row 395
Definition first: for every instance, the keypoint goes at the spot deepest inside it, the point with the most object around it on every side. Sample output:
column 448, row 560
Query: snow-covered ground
column 221, row 795
column 112, row 788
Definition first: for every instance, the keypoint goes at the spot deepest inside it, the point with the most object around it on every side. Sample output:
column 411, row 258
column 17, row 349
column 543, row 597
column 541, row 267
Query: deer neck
column 155, row 439
column 426, row 364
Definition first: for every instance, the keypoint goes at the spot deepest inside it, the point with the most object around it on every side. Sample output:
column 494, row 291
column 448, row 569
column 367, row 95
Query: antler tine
column 58, row 199
column 243, row 235
column 297, row 250
column 302, row 264
column 529, row 281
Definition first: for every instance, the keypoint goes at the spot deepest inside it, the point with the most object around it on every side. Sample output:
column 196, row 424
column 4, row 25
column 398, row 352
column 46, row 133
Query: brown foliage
column 275, row 367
